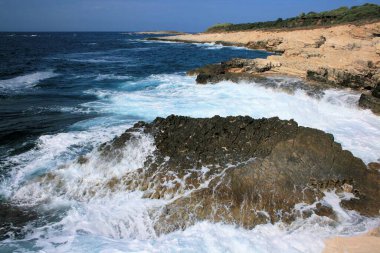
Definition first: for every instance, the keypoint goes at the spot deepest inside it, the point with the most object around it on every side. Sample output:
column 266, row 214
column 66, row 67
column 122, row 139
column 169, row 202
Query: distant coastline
column 342, row 56
column 161, row 32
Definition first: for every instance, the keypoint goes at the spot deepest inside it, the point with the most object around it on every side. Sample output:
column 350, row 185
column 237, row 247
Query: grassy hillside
column 355, row 14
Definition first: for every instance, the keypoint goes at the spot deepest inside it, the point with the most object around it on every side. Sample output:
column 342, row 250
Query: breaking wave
column 25, row 81
column 333, row 111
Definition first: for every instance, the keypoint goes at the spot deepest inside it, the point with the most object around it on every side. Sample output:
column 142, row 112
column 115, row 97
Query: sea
column 64, row 94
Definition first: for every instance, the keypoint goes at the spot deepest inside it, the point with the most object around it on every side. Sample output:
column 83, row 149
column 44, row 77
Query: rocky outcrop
column 370, row 102
column 244, row 171
column 236, row 170
column 342, row 78
column 340, row 56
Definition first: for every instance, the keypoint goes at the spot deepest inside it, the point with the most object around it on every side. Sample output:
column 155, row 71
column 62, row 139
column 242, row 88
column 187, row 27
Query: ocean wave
column 333, row 111
column 208, row 46
column 53, row 151
column 216, row 46
column 113, row 219
column 102, row 77
column 98, row 60
column 103, row 216
column 26, row 81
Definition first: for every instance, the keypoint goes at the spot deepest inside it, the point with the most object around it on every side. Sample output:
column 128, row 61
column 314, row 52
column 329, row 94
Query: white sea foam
column 121, row 221
column 55, row 151
column 336, row 112
column 102, row 77
column 25, row 81
column 98, row 60
column 209, row 46
column 82, row 182
column 215, row 46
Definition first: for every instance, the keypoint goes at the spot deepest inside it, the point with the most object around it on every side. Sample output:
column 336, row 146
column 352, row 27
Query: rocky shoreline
column 234, row 170
column 244, row 171
column 161, row 33
column 346, row 56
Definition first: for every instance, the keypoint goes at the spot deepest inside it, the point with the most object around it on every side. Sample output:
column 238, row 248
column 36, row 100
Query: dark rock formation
column 236, row 170
column 343, row 78
column 13, row 220
column 244, row 171
column 234, row 70
column 248, row 69
column 370, row 102
column 376, row 91
column 237, row 70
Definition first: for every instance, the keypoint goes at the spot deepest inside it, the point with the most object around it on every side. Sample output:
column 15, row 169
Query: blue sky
column 139, row 15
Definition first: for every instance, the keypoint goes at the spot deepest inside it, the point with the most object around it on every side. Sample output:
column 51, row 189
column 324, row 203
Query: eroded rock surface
column 246, row 171
column 236, row 170
column 340, row 56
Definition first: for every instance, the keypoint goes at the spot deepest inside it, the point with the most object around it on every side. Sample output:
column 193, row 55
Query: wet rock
column 343, row 78
column 234, row 70
column 248, row 69
column 13, row 220
column 374, row 166
column 246, row 171
column 376, row 91
column 370, row 102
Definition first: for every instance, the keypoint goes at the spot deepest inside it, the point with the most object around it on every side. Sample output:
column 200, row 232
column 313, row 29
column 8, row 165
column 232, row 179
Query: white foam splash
column 54, row 151
column 336, row 112
column 120, row 221
column 25, row 81
column 216, row 46
column 102, row 77
column 89, row 180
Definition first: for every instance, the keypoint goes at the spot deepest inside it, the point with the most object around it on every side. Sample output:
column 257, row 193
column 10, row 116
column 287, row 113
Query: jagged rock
column 370, row 102
column 247, row 171
column 13, row 220
column 343, row 78
column 376, row 91
column 345, row 55
column 233, row 70
column 374, row 166
column 236, row 170
column 269, row 45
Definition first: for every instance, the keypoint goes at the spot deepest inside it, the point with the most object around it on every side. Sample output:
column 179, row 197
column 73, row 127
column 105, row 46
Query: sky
column 146, row 15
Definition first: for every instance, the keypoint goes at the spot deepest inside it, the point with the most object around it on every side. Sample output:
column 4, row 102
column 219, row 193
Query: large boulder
column 236, row 170
column 247, row 171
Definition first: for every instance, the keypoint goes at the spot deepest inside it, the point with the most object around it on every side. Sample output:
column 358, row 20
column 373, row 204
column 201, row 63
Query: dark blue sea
column 63, row 94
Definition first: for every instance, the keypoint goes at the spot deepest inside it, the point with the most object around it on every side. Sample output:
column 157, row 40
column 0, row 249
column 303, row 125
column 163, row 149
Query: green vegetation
column 355, row 14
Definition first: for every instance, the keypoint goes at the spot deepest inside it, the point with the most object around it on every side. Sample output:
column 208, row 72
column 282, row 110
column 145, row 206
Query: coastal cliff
column 340, row 56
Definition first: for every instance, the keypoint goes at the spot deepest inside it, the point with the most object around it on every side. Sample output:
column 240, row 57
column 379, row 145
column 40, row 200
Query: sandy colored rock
column 367, row 243
column 341, row 54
